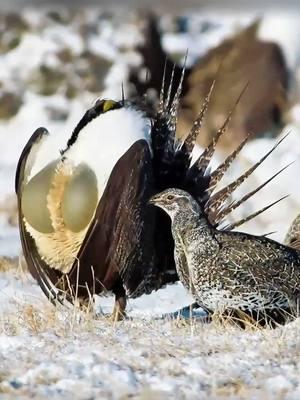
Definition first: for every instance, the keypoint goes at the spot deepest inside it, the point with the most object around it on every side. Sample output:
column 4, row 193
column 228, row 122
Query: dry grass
column 139, row 358
column 9, row 264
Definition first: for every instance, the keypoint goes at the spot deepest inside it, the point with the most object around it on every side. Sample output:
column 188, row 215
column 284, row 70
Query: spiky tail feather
column 172, row 164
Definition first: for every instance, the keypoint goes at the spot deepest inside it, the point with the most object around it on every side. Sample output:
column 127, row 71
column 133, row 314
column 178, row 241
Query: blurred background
column 57, row 57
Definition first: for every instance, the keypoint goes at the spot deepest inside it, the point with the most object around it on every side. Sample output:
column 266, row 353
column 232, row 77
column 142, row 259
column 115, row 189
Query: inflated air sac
column 34, row 199
column 80, row 199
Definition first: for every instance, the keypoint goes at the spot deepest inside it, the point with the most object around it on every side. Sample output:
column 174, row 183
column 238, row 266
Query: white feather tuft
column 100, row 143
column 48, row 151
column 106, row 138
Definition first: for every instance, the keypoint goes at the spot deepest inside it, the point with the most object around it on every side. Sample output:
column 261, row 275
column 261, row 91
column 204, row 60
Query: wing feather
column 46, row 277
column 114, row 243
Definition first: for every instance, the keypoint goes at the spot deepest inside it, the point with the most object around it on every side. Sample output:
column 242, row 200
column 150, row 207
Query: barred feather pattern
column 195, row 131
column 218, row 199
column 173, row 168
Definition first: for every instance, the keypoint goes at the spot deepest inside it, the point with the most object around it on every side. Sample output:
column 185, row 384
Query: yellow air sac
column 80, row 199
column 34, row 199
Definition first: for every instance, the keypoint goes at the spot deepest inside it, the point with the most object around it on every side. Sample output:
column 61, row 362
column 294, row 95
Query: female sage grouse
column 85, row 224
column 231, row 271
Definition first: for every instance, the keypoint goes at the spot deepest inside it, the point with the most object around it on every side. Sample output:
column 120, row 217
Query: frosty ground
column 64, row 353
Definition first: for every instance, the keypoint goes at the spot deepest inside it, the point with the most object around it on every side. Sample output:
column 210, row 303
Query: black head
column 101, row 106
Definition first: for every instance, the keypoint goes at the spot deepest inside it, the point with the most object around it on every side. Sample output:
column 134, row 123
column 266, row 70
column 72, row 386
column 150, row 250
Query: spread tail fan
column 177, row 169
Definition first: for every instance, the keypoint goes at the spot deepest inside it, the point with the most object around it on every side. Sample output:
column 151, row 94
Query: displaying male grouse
column 85, row 224
column 231, row 271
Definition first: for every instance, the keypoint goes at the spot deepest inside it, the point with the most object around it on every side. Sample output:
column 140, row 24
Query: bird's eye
column 170, row 197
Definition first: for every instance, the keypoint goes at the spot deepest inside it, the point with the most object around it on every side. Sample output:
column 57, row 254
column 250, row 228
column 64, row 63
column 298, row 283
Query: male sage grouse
column 85, row 223
column 231, row 271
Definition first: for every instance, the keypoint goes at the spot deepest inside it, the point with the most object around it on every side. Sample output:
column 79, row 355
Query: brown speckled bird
column 231, row 271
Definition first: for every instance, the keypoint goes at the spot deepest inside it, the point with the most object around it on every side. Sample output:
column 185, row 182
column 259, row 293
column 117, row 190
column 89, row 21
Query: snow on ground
column 65, row 353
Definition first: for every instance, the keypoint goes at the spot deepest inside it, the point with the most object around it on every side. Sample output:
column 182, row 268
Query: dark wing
column 261, row 261
column 114, row 244
column 49, row 280
column 45, row 276
column 33, row 143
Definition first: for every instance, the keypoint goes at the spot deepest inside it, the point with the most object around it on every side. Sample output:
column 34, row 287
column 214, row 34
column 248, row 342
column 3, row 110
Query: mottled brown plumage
column 231, row 271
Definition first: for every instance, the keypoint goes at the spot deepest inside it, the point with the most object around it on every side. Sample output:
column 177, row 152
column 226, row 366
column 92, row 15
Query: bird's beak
column 153, row 200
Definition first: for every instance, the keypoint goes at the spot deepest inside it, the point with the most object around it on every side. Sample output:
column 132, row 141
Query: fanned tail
column 234, row 225
column 173, row 113
column 220, row 171
column 190, row 140
column 174, row 168
column 205, row 158
column 161, row 104
column 216, row 201
column 235, row 204
column 168, row 99
column 165, row 153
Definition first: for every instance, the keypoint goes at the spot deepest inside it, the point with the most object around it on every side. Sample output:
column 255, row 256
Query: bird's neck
column 186, row 220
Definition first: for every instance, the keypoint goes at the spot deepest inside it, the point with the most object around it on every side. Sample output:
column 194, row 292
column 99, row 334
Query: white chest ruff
column 104, row 140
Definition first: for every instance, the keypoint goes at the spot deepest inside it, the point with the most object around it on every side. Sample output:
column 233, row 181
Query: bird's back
column 258, row 265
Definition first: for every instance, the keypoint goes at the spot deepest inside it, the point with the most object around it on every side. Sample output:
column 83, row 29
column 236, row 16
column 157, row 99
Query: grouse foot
column 119, row 313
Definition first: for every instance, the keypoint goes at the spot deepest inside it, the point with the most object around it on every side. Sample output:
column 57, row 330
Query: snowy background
column 53, row 65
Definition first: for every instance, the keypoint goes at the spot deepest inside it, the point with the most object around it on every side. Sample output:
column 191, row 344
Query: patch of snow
column 278, row 385
column 283, row 28
column 17, row 65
